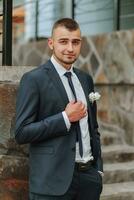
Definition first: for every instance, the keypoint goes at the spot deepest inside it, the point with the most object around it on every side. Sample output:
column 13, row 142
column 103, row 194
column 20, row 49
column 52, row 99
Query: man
column 55, row 116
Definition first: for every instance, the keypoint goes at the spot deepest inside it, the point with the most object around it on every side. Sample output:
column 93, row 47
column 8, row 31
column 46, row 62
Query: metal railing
column 6, row 33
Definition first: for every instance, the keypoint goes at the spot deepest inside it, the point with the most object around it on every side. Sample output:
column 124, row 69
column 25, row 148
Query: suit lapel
column 54, row 77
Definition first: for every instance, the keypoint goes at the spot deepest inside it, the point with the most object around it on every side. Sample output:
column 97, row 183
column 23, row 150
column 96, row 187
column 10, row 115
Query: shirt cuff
column 67, row 122
column 101, row 173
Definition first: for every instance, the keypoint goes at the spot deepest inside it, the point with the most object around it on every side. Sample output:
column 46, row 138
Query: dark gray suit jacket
column 39, row 121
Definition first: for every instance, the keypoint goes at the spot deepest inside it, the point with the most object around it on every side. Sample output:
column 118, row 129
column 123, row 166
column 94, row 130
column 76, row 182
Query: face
column 65, row 45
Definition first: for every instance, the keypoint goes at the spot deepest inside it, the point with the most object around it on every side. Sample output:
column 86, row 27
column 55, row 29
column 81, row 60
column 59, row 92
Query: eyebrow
column 77, row 39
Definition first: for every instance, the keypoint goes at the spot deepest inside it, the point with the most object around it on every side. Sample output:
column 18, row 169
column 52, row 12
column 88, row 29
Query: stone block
column 13, row 189
column 15, row 167
column 7, row 120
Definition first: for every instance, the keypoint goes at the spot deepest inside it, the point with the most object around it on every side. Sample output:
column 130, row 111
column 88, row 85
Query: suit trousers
column 85, row 185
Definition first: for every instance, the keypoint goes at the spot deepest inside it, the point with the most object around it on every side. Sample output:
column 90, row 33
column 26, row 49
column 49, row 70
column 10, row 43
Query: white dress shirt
column 87, row 155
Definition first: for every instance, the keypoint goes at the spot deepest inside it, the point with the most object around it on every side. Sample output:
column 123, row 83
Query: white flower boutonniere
column 94, row 96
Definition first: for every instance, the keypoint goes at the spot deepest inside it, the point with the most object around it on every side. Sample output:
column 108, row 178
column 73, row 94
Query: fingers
column 82, row 107
column 72, row 102
column 75, row 111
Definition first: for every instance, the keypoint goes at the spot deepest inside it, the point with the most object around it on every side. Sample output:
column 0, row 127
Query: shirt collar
column 59, row 68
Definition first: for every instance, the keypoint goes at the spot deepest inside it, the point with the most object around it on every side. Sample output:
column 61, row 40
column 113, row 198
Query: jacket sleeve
column 28, row 129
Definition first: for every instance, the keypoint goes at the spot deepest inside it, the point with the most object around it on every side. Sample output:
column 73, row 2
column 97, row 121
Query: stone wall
column 109, row 58
column 13, row 158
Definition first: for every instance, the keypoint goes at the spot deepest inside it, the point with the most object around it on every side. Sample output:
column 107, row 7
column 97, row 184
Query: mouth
column 69, row 55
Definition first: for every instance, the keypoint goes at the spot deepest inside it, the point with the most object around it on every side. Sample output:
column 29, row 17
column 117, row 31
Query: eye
column 63, row 42
column 76, row 42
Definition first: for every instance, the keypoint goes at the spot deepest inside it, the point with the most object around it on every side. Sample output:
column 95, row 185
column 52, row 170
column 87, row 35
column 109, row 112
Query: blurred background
column 33, row 19
column 107, row 54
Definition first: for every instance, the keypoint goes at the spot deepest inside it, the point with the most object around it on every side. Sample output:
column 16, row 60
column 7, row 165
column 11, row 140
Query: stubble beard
column 63, row 61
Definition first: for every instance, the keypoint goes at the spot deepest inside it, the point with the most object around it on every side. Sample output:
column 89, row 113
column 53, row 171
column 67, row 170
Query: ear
column 50, row 43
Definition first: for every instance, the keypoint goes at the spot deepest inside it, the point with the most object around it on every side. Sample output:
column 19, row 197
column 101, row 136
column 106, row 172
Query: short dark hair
column 68, row 23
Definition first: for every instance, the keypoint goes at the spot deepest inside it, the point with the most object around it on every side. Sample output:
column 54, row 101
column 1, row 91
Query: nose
column 70, row 46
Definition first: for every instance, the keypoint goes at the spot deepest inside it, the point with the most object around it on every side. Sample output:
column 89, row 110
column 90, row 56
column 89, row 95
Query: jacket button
column 73, row 149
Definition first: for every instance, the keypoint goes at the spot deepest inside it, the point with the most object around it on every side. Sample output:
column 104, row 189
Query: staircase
column 118, row 157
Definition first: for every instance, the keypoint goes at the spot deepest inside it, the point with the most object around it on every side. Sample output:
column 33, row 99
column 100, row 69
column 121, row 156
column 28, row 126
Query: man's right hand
column 75, row 111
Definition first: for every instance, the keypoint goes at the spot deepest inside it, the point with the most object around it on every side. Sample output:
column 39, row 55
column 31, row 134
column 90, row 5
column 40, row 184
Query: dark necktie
column 68, row 75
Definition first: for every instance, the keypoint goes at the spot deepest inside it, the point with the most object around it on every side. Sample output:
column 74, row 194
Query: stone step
column 118, row 191
column 118, row 172
column 117, row 153
column 111, row 134
column 109, row 138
